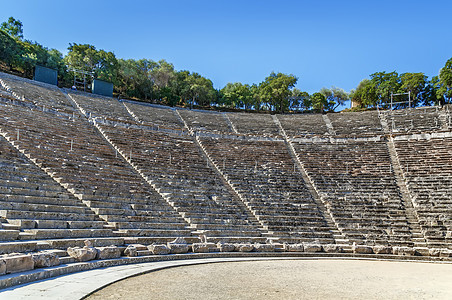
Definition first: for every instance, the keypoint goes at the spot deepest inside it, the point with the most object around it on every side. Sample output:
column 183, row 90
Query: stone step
column 147, row 225
column 226, row 233
column 153, row 232
column 40, row 200
column 158, row 239
column 43, row 207
column 67, row 233
column 33, row 192
column 8, row 235
column 63, row 244
column 41, row 215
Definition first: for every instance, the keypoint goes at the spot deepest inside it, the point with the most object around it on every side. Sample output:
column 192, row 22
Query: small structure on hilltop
column 103, row 88
column 46, row 75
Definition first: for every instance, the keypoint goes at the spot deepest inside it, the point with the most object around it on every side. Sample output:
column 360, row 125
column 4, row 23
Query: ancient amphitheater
column 89, row 182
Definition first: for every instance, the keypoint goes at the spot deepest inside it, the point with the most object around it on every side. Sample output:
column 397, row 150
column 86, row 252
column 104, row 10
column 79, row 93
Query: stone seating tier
column 357, row 183
column 254, row 124
column 98, row 106
column 303, row 124
column 156, row 116
column 206, row 121
column 40, row 95
column 356, row 123
column 178, row 171
column 91, row 169
column 152, row 185
column 263, row 170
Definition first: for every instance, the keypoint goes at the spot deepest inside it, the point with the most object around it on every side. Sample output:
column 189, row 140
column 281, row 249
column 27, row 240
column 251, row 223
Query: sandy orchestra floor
column 290, row 279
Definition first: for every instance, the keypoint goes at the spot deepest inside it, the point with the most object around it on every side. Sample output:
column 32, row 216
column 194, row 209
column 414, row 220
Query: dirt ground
column 290, row 279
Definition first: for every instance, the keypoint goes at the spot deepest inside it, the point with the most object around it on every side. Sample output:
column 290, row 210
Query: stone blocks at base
column 294, row 247
column 204, row 247
column 45, row 259
column 405, row 251
column 264, row 248
column 178, row 248
column 82, row 254
column 332, row 248
column 131, row 251
column 18, row 263
column 312, row 248
column 244, row 247
column 380, row 249
column 225, row 247
column 2, row 267
column 159, row 249
column 445, row 253
column 362, row 249
column 108, row 252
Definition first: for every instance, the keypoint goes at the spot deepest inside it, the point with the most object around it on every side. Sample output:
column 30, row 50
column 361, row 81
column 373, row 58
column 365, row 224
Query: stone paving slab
column 79, row 285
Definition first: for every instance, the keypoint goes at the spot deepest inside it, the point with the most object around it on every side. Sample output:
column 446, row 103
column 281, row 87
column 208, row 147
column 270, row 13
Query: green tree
column 365, row 94
column 300, row 101
column 256, row 96
column 334, row 97
column 431, row 95
column 134, row 78
column 200, row 91
column 10, row 50
column 87, row 58
column 414, row 83
column 319, row 102
column 238, row 95
column 276, row 90
column 445, row 83
column 180, row 87
column 13, row 27
column 385, row 84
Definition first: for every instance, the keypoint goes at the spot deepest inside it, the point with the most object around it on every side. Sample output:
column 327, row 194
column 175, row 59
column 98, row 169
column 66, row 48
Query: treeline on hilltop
column 158, row 82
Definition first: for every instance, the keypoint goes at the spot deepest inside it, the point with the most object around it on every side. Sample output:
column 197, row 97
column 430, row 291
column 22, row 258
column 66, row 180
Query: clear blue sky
column 323, row 43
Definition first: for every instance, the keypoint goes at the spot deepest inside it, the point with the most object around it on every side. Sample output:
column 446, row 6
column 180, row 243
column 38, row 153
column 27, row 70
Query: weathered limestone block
column 2, row 267
column 82, row 254
column 108, row 252
column 179, row 240
column 225, row 247
column 333, row 248
column 308, row 247
column 264, row 247
column 131, row 251
column 434, row 252
column 45, row 259
column 279, row 247
column 159, row 249
column 203, row 238
column 244, row 247
column 361, row 249
column 381, row 249
column 52, row 224
column 178, row 246
column 294, row 247
column 139, row 247
column 18, row 262
column 423, row 251
column 445, row 253
column 204, row 247
column 404, row 251
column 11, row 247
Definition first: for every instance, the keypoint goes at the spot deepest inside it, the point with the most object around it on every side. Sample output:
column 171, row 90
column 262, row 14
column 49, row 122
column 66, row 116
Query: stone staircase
column 337, row 234
column 413, row 220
